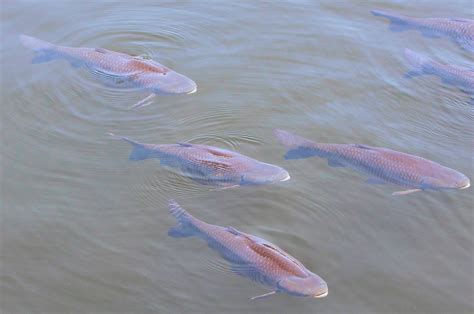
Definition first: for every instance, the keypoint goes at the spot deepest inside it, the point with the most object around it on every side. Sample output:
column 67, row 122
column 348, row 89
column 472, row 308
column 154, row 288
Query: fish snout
column 321, row 291
column 174, row 83
column 285, row 176
column 311, row 286
column 264, row 174
column 464, row 183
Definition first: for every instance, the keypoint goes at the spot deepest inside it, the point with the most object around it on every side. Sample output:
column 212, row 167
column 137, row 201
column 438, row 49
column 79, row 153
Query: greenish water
column 84, row 230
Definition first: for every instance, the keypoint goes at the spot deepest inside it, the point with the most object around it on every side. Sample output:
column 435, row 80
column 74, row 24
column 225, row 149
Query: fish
column 251, row 257
column 382, row 165
column 209, row 165
column 449, row 74
column 459, row 30
column 115, row 68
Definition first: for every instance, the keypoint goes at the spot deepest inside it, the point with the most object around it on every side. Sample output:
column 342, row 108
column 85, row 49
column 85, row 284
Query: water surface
column 84, row 230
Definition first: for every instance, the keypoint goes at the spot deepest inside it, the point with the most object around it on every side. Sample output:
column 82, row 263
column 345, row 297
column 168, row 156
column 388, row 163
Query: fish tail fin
column 44, row 51
column 139, row 150
column 298, row 147
column 416, row 62
column 184, row 227
column 398, row 23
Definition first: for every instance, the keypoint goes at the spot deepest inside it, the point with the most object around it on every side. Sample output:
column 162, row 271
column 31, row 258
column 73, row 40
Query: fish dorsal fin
column 102, row 50
column 234, row 231
column 361, row 146
column 461, row 20
column 219, row 152
column 184, row 144
column 107, row 51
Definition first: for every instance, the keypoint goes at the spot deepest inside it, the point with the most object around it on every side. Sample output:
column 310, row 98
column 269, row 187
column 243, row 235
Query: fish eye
column 164, row 73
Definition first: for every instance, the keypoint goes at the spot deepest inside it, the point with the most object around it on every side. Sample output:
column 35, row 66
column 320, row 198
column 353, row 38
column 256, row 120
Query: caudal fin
column 139, row 150
column 298, row 147
column 44, row 50
column 417, row 62
column 184, row 227
column 398, row 23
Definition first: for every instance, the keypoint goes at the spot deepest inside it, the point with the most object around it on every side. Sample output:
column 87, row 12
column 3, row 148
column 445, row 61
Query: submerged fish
column 459, row 30
column 251, row 257
column 115, row 68
column 449, row 74
column 381, row 164
column 209, row 165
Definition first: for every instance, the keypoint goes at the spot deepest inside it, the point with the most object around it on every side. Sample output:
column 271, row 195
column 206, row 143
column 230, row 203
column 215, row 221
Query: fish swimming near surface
column 251, row 257
column 115, row 68
column 209, row 165
column 449, row 74
column 459, row 30
column 382, row 165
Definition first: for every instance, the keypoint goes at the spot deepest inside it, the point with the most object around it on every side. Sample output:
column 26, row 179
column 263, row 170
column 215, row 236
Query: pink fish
column 116, row 68
column 209, row 165
column 251, row 257
column 381, row 164
column 459, row 30
column 449, row 74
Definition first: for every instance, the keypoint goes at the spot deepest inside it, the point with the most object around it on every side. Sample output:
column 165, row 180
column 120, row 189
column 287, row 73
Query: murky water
column 84, row 230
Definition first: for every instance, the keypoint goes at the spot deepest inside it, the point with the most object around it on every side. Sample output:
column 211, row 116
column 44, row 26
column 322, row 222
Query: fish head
column 169, row 83
column 448, row 179
column 311, row 286
column 263, row 173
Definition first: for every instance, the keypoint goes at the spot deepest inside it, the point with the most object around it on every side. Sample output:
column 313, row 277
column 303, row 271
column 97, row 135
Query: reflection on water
column 85, row 230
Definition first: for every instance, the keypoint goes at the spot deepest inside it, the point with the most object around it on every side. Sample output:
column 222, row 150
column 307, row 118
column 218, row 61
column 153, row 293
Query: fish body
column 114, row 68
column 459, row 30
column 210, row 165
column 251, row 256
column 382, row 165
column 449, row 74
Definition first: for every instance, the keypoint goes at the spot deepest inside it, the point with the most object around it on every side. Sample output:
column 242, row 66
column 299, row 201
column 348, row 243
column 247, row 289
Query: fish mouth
column 193, row 91
column 322, row 295
column 465, row 186
column 286, row 178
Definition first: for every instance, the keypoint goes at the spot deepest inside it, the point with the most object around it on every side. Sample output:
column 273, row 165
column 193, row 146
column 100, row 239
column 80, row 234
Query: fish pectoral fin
column 431, row 34
column 142, row 103
column 375, row 181
column 113, row 75
column 222, row 188
column 263, row 295
column 412, row 73
column 234, row 266
column 405, row 192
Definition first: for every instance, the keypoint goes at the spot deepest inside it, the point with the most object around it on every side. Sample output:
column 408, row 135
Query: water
column 84, row 230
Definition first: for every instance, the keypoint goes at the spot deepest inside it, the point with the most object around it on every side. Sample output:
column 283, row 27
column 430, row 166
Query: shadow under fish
column 251, row 257
column 115, row 68
column 449, row 74
column 459, row 30
column 209, row 165
column 382, row 165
